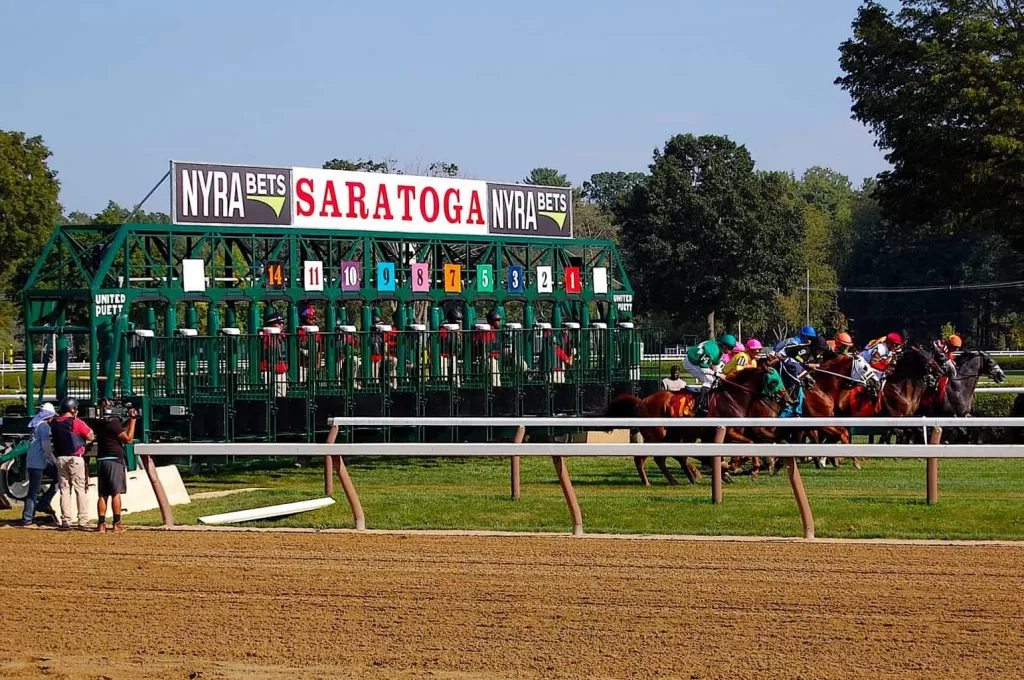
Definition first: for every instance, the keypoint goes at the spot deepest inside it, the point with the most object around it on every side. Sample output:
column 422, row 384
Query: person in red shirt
column 70, row 436
column 310, row 346
column 450, row 340
column 489, row 346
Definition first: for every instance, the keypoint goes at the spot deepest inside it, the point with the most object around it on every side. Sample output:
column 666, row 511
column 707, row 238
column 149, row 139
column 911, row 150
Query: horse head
column 917, row 363
column 990, row 368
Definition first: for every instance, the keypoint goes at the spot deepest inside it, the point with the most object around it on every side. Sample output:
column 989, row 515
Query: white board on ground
column 140, row 494
column 267, row 512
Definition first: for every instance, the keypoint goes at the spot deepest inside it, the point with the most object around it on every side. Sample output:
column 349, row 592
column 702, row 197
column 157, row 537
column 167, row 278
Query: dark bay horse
column 954, row 396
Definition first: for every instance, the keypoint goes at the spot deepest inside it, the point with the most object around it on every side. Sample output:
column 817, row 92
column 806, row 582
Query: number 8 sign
column 420, row 277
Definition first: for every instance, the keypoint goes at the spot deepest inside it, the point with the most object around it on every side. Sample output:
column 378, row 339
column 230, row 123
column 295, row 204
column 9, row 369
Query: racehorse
column 660, row 405
column 746, row 394
column 954, row 396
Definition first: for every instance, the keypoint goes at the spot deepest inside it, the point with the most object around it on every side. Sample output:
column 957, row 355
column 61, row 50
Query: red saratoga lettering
column 356, row 194
column 382, row 203
column 429, row 191
column 406, row 192
column 452, row 217
column 330, row 199
column 475, row 209
column 304, row 197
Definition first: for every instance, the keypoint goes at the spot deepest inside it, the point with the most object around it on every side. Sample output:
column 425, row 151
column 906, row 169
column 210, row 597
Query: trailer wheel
column 14, row 480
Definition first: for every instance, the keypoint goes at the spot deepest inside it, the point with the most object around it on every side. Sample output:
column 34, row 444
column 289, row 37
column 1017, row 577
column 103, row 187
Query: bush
column 993, row 405
column 1010, row 363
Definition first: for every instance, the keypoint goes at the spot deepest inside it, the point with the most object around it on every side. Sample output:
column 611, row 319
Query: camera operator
column 112, row 463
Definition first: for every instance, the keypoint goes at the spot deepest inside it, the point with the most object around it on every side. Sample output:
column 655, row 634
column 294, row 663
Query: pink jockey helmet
column 738, row 347
column 754, row 344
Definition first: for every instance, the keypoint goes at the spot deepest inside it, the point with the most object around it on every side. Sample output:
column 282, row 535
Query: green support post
column 149, row 380
column 213, row 345
column 586, row 333
column 435, row 341
column 293, row 342
column 230, row 316
column 62, row 361
column 529, row 321
column 192, row 321
column 364, row 346
column 126, row 357
column 94, row 356
column 468, row 321
column 403, row 340
column 170, row 358
column 254, row 344
column 331, row 342
column 29, row 377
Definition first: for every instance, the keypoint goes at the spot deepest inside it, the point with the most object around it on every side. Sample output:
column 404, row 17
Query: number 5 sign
column 313, row 275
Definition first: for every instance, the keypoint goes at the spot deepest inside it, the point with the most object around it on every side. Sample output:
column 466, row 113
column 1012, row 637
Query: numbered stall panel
column 453, row 278
column 351, row 276
column 386, row 277
column 545, row 281
column 484, row 278
column 572, row 280
column 313, row 275
column 420, row 274
column 516, row 279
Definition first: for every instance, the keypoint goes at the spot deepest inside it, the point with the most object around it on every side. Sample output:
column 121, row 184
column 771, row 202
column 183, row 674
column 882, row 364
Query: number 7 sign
column 313, row 275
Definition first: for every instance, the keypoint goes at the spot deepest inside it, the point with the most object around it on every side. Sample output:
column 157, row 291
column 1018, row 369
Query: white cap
column 48, row 408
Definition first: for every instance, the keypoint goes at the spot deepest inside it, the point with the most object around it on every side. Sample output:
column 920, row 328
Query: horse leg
column 639, row 462
column 692, row 473
column 660, row 462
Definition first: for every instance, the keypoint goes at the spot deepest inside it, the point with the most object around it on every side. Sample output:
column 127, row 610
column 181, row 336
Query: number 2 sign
column 313, row 275
column 544, row 281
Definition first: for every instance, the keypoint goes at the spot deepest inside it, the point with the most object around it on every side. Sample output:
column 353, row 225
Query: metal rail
column 620, row 423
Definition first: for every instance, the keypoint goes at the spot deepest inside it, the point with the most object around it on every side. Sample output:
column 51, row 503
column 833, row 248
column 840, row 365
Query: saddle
column 936, row 395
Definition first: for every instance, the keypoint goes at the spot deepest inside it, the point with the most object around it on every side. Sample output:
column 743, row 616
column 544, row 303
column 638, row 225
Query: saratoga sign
column 343, row 200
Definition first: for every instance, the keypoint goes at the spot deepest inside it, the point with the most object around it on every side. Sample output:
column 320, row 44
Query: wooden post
column 520, row 435
column 328, row 475
column 801, row 497
column 346, row 484
column 933, row 468
column 716, row 469
column 570, row 495
column 158, row 490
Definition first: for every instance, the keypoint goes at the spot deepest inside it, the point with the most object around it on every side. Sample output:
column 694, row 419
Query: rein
column 838, row 375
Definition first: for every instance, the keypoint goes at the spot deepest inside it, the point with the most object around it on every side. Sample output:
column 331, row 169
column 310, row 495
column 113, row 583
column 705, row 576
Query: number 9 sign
column 386, row 277
column 516, row 280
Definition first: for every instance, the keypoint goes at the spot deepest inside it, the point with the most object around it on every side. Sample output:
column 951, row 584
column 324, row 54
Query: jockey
column 870, row 365
column 754, row 349
column 844, row 344
column 728, row 345
column 702, row 362
column 951, row 345
column 792, row 352
column 741, row 359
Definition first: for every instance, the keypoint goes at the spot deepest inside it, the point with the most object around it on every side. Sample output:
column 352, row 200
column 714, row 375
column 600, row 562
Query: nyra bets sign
column 342, row 200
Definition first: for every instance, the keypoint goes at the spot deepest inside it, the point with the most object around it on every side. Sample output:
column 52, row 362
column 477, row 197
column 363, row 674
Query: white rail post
column 716, row 468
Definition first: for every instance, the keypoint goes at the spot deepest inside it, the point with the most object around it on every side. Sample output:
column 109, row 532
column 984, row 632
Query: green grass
column 978, row 499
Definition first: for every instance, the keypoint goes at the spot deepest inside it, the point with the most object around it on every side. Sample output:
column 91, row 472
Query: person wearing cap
column 112, row 464
column 844, row 344
column 951, row 346
column 673, row 383
column 793, row 353
column 702, row 361
column 383, row 344
column 70, row 435
column 740, row 360
column 274, row 363
column 727, row 343
column 310, row 346
column 489, row 346
column 40, row 463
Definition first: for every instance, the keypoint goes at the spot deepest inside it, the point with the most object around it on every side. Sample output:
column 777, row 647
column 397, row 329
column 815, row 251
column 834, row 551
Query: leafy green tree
column 29, row 209
column 387, row 166
column 114, row 213
column 546, row 177
column 941, row 84
column 589, row 221
column 605, row 189
column 706, row 233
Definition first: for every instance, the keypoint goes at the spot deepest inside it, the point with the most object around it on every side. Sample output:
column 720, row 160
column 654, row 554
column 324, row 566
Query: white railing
column 558, row 451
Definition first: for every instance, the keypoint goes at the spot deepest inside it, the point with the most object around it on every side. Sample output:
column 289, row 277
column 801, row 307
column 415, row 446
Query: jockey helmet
column 308, row 312
column 274, row 318
column 753, row 344
column 493, row 315
column 729, row 340
column 819, row 344
column 844, row 340
column 955, row 341
column 713, row 351
column 739, row 347
column 808, row 332
column 454, row 315
column 894, row 339
column 376, row 319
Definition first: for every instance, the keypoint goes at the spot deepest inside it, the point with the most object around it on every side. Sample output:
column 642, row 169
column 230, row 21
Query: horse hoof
column 756, row 474
column 727, row 478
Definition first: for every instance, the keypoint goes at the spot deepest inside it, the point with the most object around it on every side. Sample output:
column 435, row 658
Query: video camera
column 112, row 410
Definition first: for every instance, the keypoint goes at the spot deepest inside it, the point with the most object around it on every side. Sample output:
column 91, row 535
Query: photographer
column 112, row 463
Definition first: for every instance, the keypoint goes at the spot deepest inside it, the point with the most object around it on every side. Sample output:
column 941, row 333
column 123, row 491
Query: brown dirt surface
column 287, row 605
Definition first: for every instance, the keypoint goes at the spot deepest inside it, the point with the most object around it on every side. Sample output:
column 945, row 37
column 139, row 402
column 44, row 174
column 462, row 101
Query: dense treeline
column 711, row 238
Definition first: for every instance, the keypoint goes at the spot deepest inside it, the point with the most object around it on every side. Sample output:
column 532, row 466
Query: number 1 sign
column 572, row 279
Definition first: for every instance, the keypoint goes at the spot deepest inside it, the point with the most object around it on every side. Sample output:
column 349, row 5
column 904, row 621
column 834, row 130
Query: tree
column 941, row 84
column 546, row 177
column 115, row 214
column 589, row 221
column 605, row 189
column 28, row 212
column 706, row 233
column 387, row 166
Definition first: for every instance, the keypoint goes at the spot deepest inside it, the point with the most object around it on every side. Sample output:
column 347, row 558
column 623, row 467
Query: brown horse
column 660, row 405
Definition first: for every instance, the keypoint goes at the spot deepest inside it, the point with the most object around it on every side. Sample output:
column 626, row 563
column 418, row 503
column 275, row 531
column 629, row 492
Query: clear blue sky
column 118, row 88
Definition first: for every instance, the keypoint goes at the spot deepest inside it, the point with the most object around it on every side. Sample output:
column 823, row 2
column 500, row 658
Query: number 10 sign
column 350, row 275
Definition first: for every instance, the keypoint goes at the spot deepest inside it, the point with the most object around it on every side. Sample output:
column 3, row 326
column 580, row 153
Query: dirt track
column 209, row 605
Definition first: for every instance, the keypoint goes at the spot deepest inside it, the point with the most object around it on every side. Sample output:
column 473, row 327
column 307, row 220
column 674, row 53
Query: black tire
column 14, row 479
